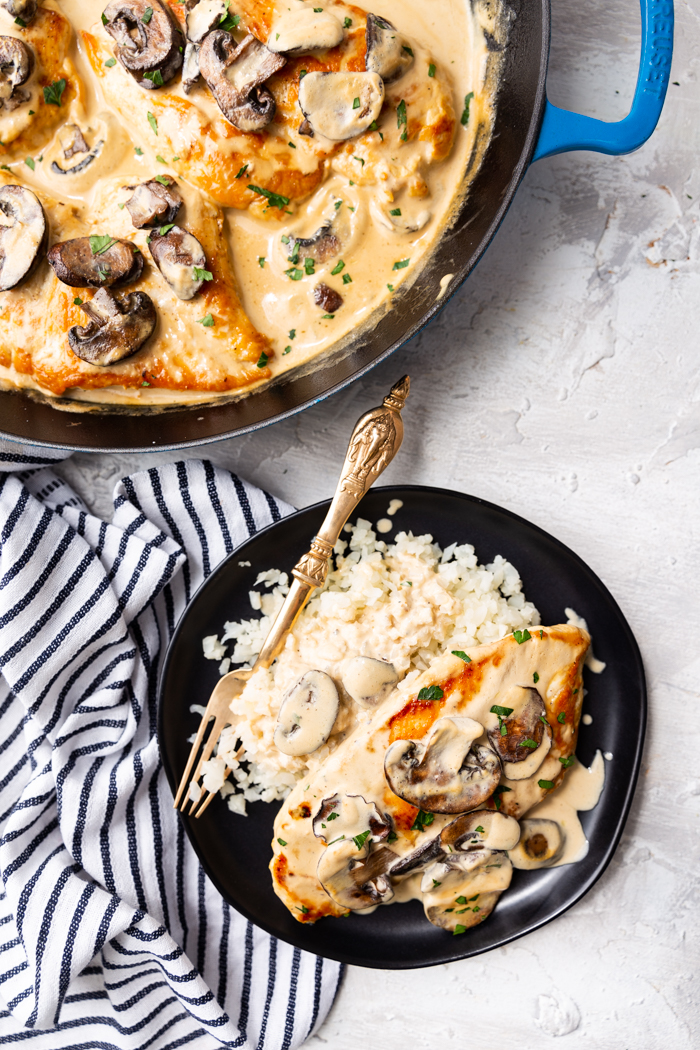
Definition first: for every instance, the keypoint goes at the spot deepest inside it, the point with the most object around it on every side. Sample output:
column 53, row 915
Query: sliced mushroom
column 190, row 67
column 24, row 9
column 81, row 165
column 23, row 233
column 368, row 681
column 462, row 890
column 203, row 17
column 419, row 859
column 449, row 773
column 327, row 298
column 322, row 245
column 16, row 64
column 149, row 46
column 399, row 223
column 520, row 714
column 532, row 762
column 180, row 258
column 83, row 263
column 355, row 878
column 234, row 75
column 341, row 105
column 541, row 844
column 72, row 140
column 345, row 816
column 117, row 327
column 388, row 52
column 305, row 29
column 481, row 830
column 307, row 714
column 154, row 203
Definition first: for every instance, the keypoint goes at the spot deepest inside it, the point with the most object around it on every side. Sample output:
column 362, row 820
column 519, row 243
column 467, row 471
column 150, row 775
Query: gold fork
column 374, row 443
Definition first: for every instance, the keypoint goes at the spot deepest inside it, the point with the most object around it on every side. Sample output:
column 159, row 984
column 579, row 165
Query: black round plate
column 235, row 851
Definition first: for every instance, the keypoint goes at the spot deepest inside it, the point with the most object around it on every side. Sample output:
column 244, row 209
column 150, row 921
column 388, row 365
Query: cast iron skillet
column 235, row 851
column 527, row 127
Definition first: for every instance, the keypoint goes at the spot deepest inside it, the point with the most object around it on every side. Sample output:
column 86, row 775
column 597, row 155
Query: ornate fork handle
column 374, row 442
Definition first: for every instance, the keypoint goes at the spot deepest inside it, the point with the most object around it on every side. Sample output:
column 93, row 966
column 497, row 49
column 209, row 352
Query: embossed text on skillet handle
column 375, row 441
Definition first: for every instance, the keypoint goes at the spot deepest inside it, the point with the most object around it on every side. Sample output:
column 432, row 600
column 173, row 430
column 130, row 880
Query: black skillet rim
column 454, row 949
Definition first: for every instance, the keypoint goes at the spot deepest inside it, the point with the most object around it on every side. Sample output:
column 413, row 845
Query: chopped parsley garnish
column 401, row 120
column 431, row 692
column 541, row 634
column 104, row 19
column 395, row 211
column 407, row 49
column 175, row 160
column 337, row 205
column 200, row 274
column 302, row 73
column 53, row 92
column 20, row 22
column 431, row 69
column 155, row 76
column 318, row 10
column 356, row 103
column 229, row 22
column 547, row 785
column 575, row 690
column 461, row 900
column 162, row 230
column 566, row 762
column 5, row 167
column 286, row 350
column 347, row 279
column 392, row 837
column 163, row 180
column 282, row 842
column 303, row 909
column 459, row 929
column 422, row 821
column 332, row 816
column 390, row 287
column 347, row 23
column 401, row 264
column 104, row 274
column 111, row 62
column 436, row 883
column 292, row 333
column 261, row 262
column 294, row 274
column 207, row 321
column 309, row 267
column 461, row 911
column 99, row 243
column 360, row 839
column 77, row 301
column 535, row 677
column 338, row 268
column 276, row 199
column 359, row 160
column 532, row 744
column 462, row 655
column 241, row 172
column 480, row 830
column 464, row 120
column 147, row 15
column 138, row 151
column 561, row 718
column 502, row 712
column 497, row 794
column 291, row 144
column 284, row 238
column 522, row 636
column 29, row 161
column 475, row 897
column 339, row 839
column 160, row 159
column 328, row 317
column 153, row 122
column 262, row 360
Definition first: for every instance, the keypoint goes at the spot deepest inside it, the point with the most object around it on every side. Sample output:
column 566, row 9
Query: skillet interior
column 519, row 114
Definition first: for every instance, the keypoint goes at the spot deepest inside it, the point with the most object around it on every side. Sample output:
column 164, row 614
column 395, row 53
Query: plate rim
column 410, row 963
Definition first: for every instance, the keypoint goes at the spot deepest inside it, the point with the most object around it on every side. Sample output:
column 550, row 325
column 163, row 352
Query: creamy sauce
column 580, row 792
column 281, row 309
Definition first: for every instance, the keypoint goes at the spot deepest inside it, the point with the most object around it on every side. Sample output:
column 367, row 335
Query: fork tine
column 209, row 797
column 185, row 779
column 214, row 733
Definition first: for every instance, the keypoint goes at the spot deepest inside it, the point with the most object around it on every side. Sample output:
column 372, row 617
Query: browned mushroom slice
column 80, row 165
column 323, row 245
column 16, row 63
column 154, row 203
column 180, row 258
column 388, row 52
column 235, row 73
column 190, row 67
column 149, row 44
column 348, row 816
column 24, row 9
column 96, row 262
column 484, row 829
column 355, row 878
column 117, row 327
column 520, row 712
column 541, row 844
column 340, row 105
column 23, row 233
column 327, row 298
column 462, row 890
column 449, row 773
column 204, row 16
column 72, row 141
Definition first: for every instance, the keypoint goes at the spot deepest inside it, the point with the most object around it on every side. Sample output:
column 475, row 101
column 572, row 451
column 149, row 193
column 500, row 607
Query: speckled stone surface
column 562, row 382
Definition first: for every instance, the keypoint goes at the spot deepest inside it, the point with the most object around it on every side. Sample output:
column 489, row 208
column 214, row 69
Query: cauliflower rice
column 404, row 602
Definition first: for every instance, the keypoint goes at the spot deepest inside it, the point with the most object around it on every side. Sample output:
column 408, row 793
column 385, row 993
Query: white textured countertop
column 561, row 382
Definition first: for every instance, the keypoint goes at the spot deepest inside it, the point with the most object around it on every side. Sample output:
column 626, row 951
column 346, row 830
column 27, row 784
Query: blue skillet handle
column 562, row 130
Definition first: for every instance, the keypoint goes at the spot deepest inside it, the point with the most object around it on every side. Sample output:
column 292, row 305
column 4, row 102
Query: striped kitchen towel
column 111, row 935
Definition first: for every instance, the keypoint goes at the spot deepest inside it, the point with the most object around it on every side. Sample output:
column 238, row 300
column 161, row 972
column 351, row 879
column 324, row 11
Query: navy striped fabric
column 110, row 933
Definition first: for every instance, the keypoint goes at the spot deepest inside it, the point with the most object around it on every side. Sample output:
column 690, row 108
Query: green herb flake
column 535, row 677
column 110, row 62
column 99, row 243
column 532, row 744
column 302, row 73
column 276, row 199
column 461, row 911
column 282, row 842
column 138, row 151
column 395, row 211
column 153, row 122
column 356, row 103
column 339, row 839
column 303, row 909
column 360, row 839
column 480, row 830
column 309, row 267
column 262, row 360
column 29, row 161
column 431, row 692
column 200, row 274
column 147, row 15
column 475, row 897
column 448, row 910
column 104, row 274
column 461, row 900
column 462, row 655
column 566, row 762
column 338, row 268
column 359, row 160
column 31, row 112
column 347, row 279
column 20, row 22
column 546, row 785
column 161, row 160
column 337, row 205
column 207, row 321
column 5, row 167
column 575, row 690
column 459, row 929
column 392, row 837
column 241, row 172
column 390, row 287
column 261, row 262
column 286, row 350
column 541, row 635
column 401, row 119
column 164, row 180
column 155, row 76
column 294, row 274
column 318, row 10
column 229, row 22
column 347, row 23
column 407, row 49
column 162, row 230
column 401, row 264
column 436, row 883
column 327, row 317
column 332, row 816
column 292, row 333
column 77, row 301
column 502, row 712
column 291, row 144
column 561, row 718
column 522, row 636
column 104, row 19
column 53, row 92
column 431, row 69
column 422, row 821
column 464, row 119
